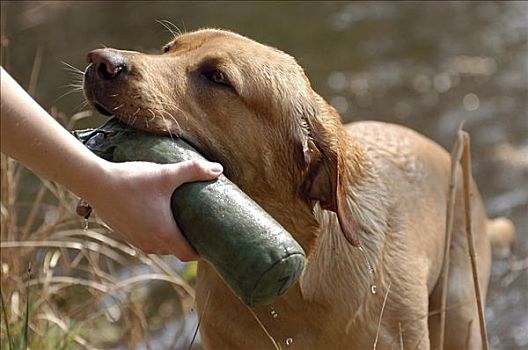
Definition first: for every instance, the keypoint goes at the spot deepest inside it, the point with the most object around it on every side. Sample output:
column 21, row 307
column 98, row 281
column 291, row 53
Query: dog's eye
column 217, row 77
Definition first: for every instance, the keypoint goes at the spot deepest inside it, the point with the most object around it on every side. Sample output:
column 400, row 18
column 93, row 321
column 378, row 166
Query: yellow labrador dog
column 366, row 200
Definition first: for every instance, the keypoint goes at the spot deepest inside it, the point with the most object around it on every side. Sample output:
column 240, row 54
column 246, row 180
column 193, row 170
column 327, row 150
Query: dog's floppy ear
column 325, row 145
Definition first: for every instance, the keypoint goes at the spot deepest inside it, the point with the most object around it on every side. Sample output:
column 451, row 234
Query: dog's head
column 244, row 104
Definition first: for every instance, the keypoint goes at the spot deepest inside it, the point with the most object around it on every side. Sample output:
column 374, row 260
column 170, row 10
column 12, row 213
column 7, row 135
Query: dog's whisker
column 166, row 126
column 175, row 28
column 170, row 27
column 173, row 105
column 176, row 124
column 73, row 86
column 134, row 116
column 66, row 94
column 81, row 106
column 184, row 27
column 116, row 108
column 152, row 113
column 72, row 68
column 76, row 84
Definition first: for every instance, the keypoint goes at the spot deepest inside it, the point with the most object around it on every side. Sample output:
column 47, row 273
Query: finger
column 167, row 237
column 193, row 170
column 183, row 250
column 177, row 244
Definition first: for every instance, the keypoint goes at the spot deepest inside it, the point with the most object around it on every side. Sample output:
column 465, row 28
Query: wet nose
column 108, row 63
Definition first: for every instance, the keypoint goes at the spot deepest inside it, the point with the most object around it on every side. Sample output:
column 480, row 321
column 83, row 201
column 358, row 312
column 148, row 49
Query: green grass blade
column 10, row 340
column 26, row 321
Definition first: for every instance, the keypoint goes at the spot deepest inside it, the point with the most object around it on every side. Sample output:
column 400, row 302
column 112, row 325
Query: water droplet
column 85, row 225
column 337, row 81
column 373, row 288
column 340, row 103
column 289, row 341
column 421, row 83
column 369, row 266
column 274, row 313
column 471, row 102
column 442, row 82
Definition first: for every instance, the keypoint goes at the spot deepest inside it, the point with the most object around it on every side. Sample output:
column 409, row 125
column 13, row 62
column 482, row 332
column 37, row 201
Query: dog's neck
column 338, row 265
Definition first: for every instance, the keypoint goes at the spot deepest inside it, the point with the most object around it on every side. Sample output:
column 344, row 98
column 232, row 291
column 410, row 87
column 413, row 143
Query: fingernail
column 216, row 168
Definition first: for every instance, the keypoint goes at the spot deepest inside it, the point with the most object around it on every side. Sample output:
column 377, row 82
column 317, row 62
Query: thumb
column 192, row 170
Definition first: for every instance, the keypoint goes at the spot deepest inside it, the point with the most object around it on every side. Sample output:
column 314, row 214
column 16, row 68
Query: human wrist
column 96, row 178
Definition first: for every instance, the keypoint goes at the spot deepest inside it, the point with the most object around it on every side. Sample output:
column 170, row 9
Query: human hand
column 133, row 198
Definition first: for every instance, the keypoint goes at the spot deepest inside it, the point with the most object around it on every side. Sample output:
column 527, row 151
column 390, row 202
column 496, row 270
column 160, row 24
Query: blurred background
column 426, row 65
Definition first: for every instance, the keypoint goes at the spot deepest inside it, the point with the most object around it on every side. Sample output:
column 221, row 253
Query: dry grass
column 461, row 154
column 87, row 289
column 466, row 171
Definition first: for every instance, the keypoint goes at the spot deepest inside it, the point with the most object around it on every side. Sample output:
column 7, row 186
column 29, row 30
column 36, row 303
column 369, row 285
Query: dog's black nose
column 108, row 63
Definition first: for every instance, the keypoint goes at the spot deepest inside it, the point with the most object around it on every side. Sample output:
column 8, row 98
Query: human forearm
column 133, row 198
column 30, row 135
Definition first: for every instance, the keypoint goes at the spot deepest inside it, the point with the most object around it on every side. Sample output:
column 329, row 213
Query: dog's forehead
column 263, row 73
column 222, row 41
column 207, row 37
